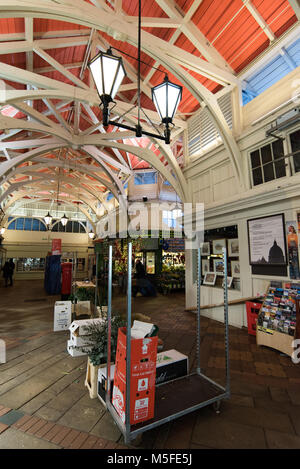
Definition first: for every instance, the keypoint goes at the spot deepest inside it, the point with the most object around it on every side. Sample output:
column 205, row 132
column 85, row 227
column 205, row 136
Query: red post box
column 66, row 282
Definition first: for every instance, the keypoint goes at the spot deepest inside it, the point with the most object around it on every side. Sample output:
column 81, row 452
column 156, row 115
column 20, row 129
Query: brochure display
column 172, row 399
column 277, row 319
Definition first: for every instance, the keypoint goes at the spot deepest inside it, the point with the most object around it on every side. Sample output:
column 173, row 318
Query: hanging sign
column 56, row 247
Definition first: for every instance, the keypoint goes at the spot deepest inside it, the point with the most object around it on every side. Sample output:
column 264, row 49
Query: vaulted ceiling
column 51, row 133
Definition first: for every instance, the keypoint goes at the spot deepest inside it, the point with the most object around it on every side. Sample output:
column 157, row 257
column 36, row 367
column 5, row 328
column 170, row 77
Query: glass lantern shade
column 166, row 98
column 2, row 230
column 64, row 220
column 108, row 72
column 48, row 219
column 91, row 234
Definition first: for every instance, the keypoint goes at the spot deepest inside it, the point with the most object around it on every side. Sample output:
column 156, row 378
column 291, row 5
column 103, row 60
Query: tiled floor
column 46, row 385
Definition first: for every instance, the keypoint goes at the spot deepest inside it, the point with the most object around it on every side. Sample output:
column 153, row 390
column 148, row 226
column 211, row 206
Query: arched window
column 71, row 227
column 26, row 224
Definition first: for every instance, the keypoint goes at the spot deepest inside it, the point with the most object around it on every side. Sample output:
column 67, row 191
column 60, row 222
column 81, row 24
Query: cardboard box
column 82, row 307
column 62, row 315
column 77, row 351
column 169, row 365
column 79, row 341
column 77, row 328
column 102, row 382
column 142, row 378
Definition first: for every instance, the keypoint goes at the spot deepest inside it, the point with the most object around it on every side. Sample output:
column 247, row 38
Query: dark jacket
column 140, row 270
column 6, row 270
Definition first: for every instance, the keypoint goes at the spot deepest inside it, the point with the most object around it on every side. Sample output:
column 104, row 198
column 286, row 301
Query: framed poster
column 235, row 269
column 210, row 278
column 233, row 247
column 205, row 266
column 218, row 244
column 218, row 266
column 267, row 244
column 205, row 249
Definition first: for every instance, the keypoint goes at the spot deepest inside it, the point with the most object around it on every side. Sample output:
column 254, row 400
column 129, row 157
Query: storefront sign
column 267, row 244
column 174, row 245
column 56, row 247
column 292, row 245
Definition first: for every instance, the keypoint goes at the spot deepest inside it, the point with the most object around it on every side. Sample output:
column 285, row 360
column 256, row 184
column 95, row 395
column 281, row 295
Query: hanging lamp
column 108, row 72
column 48, row 219
column 64, row 220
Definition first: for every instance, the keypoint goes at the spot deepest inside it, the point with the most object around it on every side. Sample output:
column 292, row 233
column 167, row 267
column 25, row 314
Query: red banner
column 56, row 247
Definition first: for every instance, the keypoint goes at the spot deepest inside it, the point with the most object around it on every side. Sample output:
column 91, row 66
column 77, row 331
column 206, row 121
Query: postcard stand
column 181, row 396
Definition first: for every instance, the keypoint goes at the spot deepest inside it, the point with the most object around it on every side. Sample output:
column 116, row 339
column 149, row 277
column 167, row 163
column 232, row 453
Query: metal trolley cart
column 195, row 390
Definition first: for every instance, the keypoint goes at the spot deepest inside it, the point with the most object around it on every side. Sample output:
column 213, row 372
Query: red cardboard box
column 142, row 382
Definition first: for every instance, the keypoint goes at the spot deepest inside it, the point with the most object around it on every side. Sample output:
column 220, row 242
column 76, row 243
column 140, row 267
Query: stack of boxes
column 169, row 365
column 79, row 343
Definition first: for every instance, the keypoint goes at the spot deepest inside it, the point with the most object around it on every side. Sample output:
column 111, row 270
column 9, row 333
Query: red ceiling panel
column 17, row 60
column 185, row 5
column 45, row 25
column 12, row 25
column 149, row 8
column 276, row 13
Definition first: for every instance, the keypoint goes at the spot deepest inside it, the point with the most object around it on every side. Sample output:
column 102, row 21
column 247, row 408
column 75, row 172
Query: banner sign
column 56, row 247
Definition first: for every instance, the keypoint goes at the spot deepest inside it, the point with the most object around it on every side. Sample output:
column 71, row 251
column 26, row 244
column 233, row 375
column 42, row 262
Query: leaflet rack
column 181, row 396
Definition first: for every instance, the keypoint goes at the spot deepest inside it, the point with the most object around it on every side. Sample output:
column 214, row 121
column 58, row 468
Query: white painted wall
column 212, row 181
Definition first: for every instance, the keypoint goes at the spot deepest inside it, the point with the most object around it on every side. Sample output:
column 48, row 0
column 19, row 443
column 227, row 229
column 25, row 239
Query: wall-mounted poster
column 267, row 244
column 233, row 247
column 218, row 266
column 205, row 266
column 218, row 244
column 235, row 269
column 205, row 249
column 292, row 245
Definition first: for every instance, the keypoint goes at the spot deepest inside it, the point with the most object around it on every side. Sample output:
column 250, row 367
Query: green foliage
column 83, row 294
column 98, row 339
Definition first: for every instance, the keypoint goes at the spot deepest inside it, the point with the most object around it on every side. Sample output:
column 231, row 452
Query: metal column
column 225, row 286
column 96, row 286
column 198, row 309
column 109, row 324
column 128, row 345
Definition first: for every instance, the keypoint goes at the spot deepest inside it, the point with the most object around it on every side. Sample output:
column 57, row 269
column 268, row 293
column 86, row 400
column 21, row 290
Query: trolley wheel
column 137, row 441
column 217, row 406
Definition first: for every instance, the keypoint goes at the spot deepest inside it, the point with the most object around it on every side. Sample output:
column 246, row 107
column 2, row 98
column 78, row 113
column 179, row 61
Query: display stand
column 181, row 396
column 278, row 339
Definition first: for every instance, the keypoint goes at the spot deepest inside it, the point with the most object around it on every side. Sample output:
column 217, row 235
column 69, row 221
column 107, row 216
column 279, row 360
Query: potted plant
column 97, row 354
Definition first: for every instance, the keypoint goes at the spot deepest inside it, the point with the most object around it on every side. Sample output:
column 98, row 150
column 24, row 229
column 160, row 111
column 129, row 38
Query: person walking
column 11, row 271
column 6, row 272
